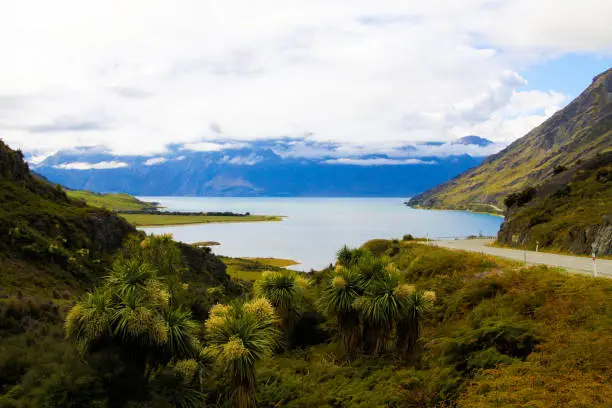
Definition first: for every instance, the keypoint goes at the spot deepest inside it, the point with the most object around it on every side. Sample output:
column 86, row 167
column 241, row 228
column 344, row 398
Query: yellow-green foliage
column 251, row 269
column 281, row 263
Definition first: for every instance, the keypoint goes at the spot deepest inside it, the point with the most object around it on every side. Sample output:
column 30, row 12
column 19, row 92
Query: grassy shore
column 157, row 220
column 117, row 202
column 206, row 243
column 250, row 269
column 476, row 209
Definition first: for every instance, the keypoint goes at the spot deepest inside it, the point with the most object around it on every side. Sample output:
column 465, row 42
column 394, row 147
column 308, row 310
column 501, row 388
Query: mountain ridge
column 576, row 132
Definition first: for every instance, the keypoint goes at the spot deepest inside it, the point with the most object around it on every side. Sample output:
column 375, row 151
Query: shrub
column 521, row 198
column 377, row 246
column 559, row 169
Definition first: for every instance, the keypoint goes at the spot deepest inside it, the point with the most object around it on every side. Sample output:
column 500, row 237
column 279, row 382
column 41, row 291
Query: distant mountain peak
column 473, row 140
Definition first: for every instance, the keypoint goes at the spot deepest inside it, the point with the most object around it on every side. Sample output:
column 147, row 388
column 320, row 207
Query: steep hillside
column 571, row 212
column 50, row 241
column 578, row 131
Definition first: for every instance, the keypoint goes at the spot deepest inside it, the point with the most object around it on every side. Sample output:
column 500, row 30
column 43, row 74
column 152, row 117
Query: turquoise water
column 315, row 228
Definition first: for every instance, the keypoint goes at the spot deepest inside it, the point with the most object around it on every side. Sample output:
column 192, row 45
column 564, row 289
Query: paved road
column 571, row 263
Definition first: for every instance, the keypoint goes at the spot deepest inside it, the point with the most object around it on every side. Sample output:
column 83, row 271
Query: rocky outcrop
column 602, row 243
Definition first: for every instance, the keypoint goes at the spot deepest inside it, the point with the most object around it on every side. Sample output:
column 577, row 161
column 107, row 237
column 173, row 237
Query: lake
column 315, row 228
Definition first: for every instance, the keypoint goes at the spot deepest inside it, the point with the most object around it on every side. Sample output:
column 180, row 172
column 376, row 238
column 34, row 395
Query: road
column 571, row 263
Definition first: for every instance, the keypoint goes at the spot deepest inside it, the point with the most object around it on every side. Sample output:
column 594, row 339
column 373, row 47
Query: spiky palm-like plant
column 418, row 303
column 239, row 335
column 338, row 300
column 348, row 257
column 379, row 308
column 131, row 277
column 135, row 315
column 182, row 332
column 132, row 314
column 286, row 292
column 371, row 269
column 91, row 319
column 162, row 252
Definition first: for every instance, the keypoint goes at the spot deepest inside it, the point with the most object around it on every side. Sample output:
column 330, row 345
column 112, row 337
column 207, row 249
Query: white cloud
column 154, row 161
column 137, row 76
column 249, row 160
column 450, row 149
column 104, row 165
column 212, row 147
column 380, row 161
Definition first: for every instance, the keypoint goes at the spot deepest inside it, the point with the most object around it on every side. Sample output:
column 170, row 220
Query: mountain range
column 267, row 168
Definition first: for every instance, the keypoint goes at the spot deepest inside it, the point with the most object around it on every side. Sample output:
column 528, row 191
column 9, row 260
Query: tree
column 370, row 304
column 239, row 335
column 417, row 304
column 337, row 301
column 380, row 307
column 134, row 316
column 286, row 293
column 347, row 257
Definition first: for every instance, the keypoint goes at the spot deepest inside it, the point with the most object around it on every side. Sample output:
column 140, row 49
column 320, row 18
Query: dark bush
column 563, row 192
column 539, row 219
column 603, row 176
column 521, row 198
column 514, row 339
column 377, row 246
column 559, row 169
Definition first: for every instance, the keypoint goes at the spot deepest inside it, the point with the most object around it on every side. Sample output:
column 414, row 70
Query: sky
column 135, row 77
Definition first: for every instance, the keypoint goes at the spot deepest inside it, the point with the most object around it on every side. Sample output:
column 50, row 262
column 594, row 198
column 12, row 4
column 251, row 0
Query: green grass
column 117, row 202
column 281, row 263
column 154, row 220
column 250, row 269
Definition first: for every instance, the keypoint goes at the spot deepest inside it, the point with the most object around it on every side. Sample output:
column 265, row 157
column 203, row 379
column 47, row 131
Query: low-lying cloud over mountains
column 287, row 167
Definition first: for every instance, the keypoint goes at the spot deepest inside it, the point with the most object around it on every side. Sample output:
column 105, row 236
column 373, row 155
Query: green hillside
column 50, row 241
column 570, row 212
column 576, row 132
column 117, row 202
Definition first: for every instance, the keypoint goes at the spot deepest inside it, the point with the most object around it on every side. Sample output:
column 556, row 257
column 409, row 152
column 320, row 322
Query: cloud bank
column 139, row 76
column 104, row 165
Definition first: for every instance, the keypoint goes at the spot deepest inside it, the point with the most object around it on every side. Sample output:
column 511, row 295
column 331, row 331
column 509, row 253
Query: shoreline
column 418, row 207
column 146, row 221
